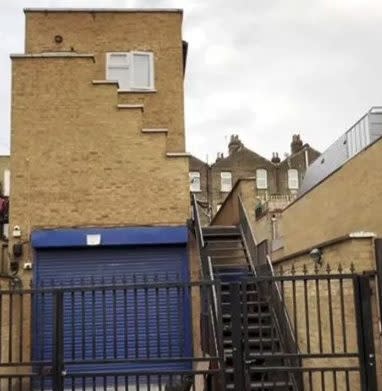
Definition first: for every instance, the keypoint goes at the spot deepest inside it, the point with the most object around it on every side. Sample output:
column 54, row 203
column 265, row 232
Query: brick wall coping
column 130, row 106
column 155, row 130
column 229, row 196
column 111, row 82
column 106, row 10
column 54, row 55
column 178, row 154
column 340, row 239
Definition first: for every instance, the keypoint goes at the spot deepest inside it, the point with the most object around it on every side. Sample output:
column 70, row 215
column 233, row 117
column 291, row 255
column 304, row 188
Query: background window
column 194, row 181
column 225, row 181
column 261, row 179
column 133, row 71
column 293, row 179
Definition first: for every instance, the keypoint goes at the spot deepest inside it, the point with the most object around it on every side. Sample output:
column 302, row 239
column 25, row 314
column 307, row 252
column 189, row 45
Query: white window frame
column 225, row 175
column 122, row 66
column 261, row 181
column 192, row 175
column 130, row 67
column 293, row 181
column 150, row 55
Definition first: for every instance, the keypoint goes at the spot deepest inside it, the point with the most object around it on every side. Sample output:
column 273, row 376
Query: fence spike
column 328, row 269
column 340, row 269
column 352, row 268
column 281, row 270
column 304, row 269
column 316, row 268
column 293, row 270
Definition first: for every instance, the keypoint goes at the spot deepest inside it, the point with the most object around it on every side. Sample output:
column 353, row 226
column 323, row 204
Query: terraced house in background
column 278, row 180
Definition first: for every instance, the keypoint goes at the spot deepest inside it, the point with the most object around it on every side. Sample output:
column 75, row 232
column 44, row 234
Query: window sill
column 128, row 106
column 105, row 82
column 196, row 191
column 154, row 130
column 178, row 154
column 121, row 91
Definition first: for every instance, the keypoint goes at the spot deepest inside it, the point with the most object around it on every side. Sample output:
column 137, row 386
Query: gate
column 330, row 319
column 286, row 332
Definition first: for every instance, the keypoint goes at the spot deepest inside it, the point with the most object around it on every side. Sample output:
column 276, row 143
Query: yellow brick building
column 97, row 152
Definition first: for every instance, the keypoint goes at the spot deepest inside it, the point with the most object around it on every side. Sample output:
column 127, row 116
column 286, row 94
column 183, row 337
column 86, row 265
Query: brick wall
column 352, row 254
column 347, row 201
column 102, row 32
column 78, row 160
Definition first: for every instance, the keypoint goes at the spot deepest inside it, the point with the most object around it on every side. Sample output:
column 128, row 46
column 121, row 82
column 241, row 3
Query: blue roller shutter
column 117, row 323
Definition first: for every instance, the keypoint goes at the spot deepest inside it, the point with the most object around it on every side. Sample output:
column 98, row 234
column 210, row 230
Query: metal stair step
column 252, row 328
column 219, row 249
column 255, row 341
column 213, row 257
column 250, row 315
column 249, row 302
column 210, row 243
column 264, row 385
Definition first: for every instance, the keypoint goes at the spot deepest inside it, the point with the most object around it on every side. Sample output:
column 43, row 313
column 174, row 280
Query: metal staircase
column 258, row 337
column 252, row 329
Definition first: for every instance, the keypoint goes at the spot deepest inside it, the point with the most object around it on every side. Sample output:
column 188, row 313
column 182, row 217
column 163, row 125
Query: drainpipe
column 306, row 158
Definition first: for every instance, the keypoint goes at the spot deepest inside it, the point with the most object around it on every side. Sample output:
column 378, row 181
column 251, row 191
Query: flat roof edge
column 51, row 55
column 106, row 10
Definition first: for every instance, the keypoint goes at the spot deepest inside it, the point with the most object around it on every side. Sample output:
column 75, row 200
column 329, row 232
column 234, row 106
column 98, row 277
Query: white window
column 132, row 70
column 261, row 178
column 225, row 181
column 293, row 179
column 194, row 181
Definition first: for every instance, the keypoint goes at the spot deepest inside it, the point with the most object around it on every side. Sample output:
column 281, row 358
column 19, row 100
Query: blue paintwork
column 158, row 254
column 76, row 237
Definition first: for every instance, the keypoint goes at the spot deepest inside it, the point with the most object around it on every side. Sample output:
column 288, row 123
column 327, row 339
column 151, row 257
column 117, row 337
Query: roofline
column 244, row 147
column 106, row 10
column 326, row 243
column 300, row 197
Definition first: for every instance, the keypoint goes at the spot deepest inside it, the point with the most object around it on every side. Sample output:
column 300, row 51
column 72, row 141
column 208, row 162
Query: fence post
column 58, row 341
column 362, row 294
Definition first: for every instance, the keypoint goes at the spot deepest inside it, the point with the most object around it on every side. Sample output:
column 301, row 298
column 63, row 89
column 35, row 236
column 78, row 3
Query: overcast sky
column 263, row 69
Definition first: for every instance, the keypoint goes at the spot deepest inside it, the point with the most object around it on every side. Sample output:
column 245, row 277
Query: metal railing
column 332, row 320
column 213, row 321
column 121, row 335
column 262, row 266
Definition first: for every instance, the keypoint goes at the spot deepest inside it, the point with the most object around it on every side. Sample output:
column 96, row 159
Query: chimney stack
column 235, row 144
column 296, row 144
column 275, row 158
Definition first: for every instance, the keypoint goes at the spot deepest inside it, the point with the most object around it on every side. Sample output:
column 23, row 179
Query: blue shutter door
column 117, row 323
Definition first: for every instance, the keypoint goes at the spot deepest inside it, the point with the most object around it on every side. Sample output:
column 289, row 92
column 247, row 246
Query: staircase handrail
column 208, row 275
column 262, row 267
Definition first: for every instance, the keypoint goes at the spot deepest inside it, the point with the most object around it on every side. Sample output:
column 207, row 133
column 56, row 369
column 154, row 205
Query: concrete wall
column 347, row 201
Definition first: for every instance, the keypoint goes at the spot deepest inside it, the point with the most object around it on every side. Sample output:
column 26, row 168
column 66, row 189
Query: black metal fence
column 110, row 337
column 331, row 319
column 139, row 336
